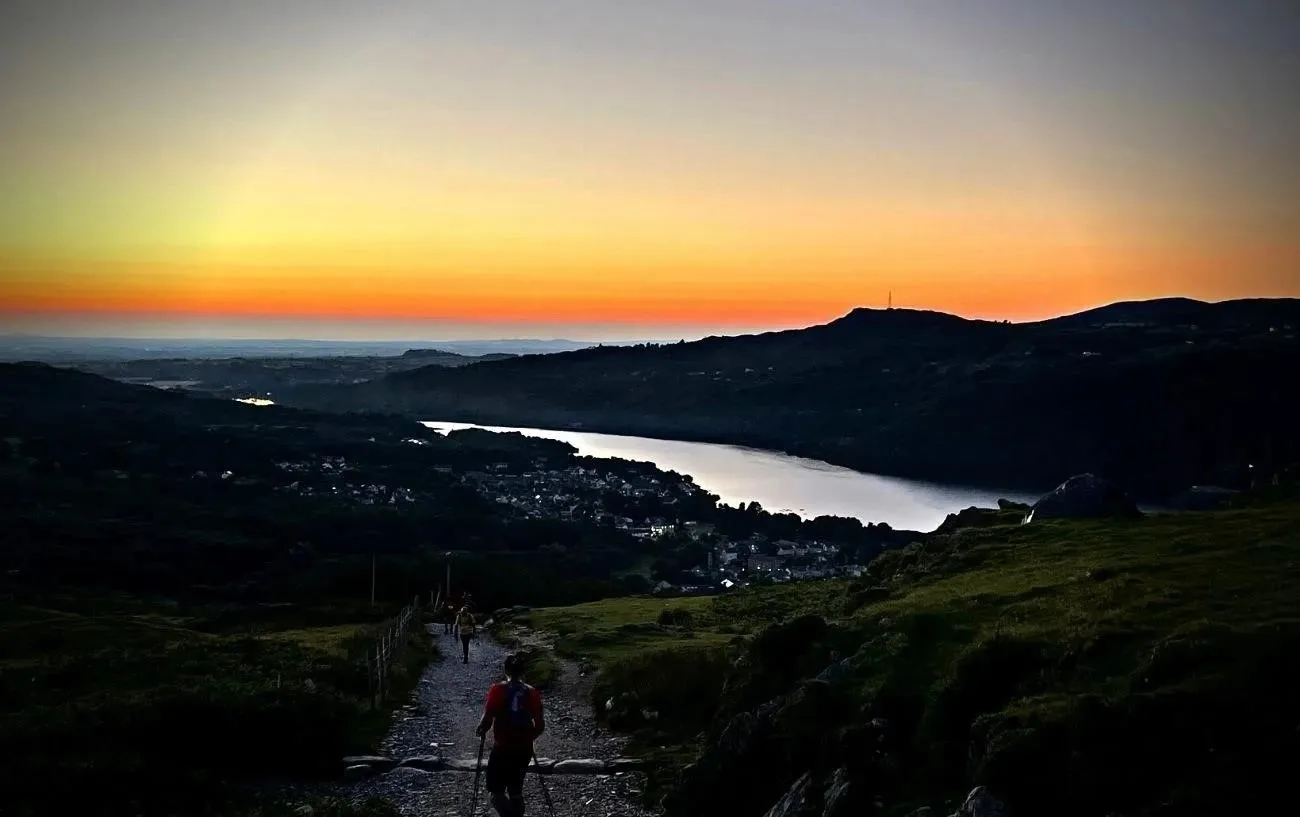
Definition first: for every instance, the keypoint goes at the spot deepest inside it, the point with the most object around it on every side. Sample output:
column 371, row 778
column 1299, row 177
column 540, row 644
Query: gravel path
column 441, row 720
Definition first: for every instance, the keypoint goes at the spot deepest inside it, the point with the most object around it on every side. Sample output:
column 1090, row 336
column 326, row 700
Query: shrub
column 678, row 683
column 676, row 617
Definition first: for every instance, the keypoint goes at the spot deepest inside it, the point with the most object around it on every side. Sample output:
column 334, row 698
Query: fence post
column 370, row 678
column 389, row 645
column 383, row 671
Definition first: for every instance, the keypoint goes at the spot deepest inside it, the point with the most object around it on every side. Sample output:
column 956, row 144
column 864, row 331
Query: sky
column 604, row 169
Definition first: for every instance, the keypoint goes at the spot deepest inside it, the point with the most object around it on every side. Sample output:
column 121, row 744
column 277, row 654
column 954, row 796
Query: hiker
column 513, row 710
column 465, row 628
column 448, row 618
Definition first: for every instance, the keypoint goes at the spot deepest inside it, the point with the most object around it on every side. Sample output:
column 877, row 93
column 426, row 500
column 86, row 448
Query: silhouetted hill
column 1156, row 395
column 450, row 358
column 1187, row 312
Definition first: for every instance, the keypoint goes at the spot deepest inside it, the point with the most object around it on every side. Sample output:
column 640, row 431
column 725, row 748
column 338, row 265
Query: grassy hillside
column 155, row 708
column 1157, row 396
column 1078, row 668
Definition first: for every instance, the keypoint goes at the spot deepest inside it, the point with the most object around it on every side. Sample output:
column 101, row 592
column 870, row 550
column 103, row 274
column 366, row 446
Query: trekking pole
column 546, row 795
column 478, row 767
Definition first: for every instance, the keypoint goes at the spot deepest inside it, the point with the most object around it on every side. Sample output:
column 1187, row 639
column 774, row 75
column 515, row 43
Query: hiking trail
column 431, row 748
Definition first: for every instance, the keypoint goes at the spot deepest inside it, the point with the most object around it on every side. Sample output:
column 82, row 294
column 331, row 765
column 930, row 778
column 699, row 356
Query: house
column 764, row 563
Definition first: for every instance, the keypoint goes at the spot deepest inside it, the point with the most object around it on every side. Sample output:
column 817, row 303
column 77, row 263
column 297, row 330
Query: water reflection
column 782, row 483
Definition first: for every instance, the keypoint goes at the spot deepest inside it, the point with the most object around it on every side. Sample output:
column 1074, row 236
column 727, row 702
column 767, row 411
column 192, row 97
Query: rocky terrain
column 428, row 761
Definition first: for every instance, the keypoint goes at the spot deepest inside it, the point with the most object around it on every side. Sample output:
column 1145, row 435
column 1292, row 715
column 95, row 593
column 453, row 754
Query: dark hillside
column 1075, row 668
column 1156, row 395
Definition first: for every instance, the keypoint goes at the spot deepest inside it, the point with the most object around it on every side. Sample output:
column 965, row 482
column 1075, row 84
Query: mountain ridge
column 1157, row 405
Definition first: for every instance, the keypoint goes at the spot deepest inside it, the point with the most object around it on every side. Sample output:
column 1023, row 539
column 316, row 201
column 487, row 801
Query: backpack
column 516, row 714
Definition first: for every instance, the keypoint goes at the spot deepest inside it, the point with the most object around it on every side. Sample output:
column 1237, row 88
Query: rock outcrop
column 1085, row 497
column 981, row 803
column 971, row 517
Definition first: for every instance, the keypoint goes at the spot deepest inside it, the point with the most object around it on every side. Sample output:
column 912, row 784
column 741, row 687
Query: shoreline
column 1020, row 495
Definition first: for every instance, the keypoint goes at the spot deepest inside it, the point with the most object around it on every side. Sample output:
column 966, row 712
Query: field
column 1159, row 643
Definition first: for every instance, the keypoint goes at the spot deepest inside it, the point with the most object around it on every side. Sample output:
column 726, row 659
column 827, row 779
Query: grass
column 542, row 669
column 1076, row 582
column 672, row 655
column 336, row 642
column 141, row 701
column 997, row 643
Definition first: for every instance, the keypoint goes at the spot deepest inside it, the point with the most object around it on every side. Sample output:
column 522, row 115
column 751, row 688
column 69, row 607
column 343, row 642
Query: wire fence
column 387, row 649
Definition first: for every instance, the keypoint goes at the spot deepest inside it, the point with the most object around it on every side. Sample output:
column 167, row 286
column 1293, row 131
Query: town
column 666, row 511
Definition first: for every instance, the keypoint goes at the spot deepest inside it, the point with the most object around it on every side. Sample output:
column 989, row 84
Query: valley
column 1156, row 395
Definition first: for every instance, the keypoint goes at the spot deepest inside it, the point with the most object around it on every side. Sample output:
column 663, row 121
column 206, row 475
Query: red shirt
column 504, row 733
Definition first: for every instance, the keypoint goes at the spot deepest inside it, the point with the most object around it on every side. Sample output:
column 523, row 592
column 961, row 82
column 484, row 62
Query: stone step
column 357, row 767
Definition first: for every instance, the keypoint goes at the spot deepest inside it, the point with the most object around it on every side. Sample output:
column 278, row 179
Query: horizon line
column 613, row 340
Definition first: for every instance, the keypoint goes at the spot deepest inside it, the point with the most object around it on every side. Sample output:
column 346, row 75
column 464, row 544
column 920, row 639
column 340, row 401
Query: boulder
column 427, row 763
column 359, row 771
column 1009, row 505
column 793, row 801
column 625, row 764
column 623, row 710
column 741, row 752
column 1085, row 497
column 376, row 762
column 461, row 764
column 837, row 796
column 838, row 671
column 981, row 803
column 581, row 766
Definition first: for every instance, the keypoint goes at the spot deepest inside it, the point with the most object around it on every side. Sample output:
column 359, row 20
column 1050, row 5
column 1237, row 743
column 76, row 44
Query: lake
column 782, row 483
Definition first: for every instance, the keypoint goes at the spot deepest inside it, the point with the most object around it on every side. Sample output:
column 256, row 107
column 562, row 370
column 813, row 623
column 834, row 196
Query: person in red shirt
column 513, row 711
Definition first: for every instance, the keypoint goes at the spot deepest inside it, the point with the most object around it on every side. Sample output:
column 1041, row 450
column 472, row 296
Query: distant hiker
column 465, row 627
column 448, row 618
column 513, row 711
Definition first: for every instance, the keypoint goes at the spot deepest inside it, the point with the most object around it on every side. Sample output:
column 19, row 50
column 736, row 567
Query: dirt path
column 447, row 707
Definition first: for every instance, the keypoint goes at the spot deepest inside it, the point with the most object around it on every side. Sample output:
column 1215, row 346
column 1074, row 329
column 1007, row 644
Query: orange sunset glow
column 661, row 166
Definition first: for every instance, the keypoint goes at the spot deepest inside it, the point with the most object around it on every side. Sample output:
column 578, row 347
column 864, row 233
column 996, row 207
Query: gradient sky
column 640, row 169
